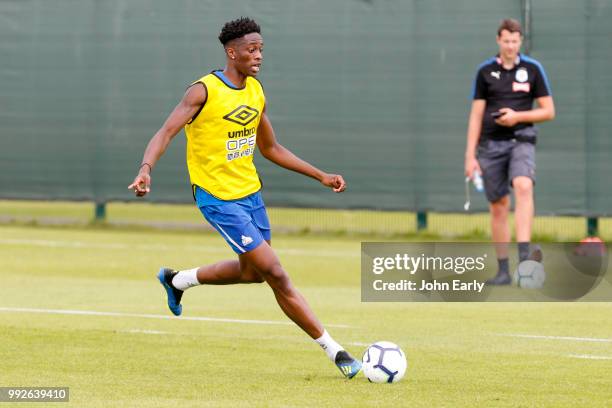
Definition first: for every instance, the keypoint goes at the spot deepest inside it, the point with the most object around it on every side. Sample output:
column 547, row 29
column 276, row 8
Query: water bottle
column 478, row 183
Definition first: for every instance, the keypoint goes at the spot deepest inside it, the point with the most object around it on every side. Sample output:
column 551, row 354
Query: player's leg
column 290, row 300
column 294, row 305
column 500, row 227
column 523, row 213
column 264, row 260
column 236, row 227
column 500, row 233
column 227, row 272
column 494, row 158
column 522, row 174
column 221, row 273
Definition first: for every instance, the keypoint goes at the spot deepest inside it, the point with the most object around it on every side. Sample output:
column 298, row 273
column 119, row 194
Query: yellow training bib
column 221, row 140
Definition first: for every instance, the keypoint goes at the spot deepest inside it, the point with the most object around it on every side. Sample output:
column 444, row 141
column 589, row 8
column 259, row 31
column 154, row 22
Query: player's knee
column 277, row 278
column 253, row 277
column 250, row 275
column 501, row 207
column 522, row 186
column 256, row 278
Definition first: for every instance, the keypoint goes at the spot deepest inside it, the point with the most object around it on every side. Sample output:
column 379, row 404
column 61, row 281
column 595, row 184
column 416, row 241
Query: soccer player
column 224, row 115
column 501, row 139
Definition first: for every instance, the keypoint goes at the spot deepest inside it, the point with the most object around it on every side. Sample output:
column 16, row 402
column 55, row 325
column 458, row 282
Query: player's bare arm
column 278, row 154
column 544, row 112
column 194, row 98
column 473, row 135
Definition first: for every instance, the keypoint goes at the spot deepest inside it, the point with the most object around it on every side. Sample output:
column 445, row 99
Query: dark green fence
column 376, row 90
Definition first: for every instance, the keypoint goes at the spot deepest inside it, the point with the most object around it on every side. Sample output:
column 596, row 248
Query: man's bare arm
column 473, row 135
column 544, row 112
column 192, row 101
column 278, row 154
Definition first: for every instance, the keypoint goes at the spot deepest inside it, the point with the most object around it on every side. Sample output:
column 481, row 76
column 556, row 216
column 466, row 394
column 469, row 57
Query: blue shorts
column 243, row 223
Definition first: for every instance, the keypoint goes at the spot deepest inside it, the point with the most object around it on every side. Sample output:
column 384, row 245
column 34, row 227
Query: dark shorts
column 242, row 223
column 501, row 161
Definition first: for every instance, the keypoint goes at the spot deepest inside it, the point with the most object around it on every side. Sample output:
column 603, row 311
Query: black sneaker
column 500, row 279
column 165, row 276
column 347, row 364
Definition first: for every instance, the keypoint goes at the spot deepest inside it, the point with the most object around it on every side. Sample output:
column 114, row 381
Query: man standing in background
column 501, row 140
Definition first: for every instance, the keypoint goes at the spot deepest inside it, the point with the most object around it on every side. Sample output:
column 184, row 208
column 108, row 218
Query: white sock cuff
column 329, row 345
column 186, row 279
column 323, row 337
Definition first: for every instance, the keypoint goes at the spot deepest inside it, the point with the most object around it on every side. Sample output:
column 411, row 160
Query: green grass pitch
column 459, row 355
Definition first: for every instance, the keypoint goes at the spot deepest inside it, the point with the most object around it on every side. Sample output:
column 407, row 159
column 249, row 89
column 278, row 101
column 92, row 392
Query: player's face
column 248, row 53
column 509, row 44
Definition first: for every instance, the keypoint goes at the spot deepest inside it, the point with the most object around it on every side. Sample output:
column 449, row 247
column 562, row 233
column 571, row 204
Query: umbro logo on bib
column 242, row 115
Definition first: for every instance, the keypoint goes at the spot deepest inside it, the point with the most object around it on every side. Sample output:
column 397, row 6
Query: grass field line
column 569, row 338
column 356, row 343
column 211, row 249
column 589, row 357
column 140, row 331
column 153, row 316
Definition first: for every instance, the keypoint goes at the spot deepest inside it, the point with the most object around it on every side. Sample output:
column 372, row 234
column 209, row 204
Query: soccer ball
column 530, row 275
column 384, row 362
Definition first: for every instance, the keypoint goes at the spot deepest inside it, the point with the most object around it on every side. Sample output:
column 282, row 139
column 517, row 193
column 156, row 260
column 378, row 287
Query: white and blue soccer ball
column 384, row 362
column 530, row 275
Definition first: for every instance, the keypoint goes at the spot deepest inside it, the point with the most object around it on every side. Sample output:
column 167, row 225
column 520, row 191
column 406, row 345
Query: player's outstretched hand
column 335, row 182
column 141, row 184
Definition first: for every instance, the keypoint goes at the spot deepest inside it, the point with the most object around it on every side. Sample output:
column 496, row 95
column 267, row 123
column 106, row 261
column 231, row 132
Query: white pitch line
column 152, row 316
column 589, row 357
column 356, row 343
column 533, row 336
column 60, row 244
column 138, row 331
column 161, row 247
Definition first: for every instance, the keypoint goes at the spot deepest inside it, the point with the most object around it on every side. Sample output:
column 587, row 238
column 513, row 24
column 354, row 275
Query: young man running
column 224, row 115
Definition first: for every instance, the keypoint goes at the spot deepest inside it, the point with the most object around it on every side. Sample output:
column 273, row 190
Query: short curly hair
column 238, row 28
